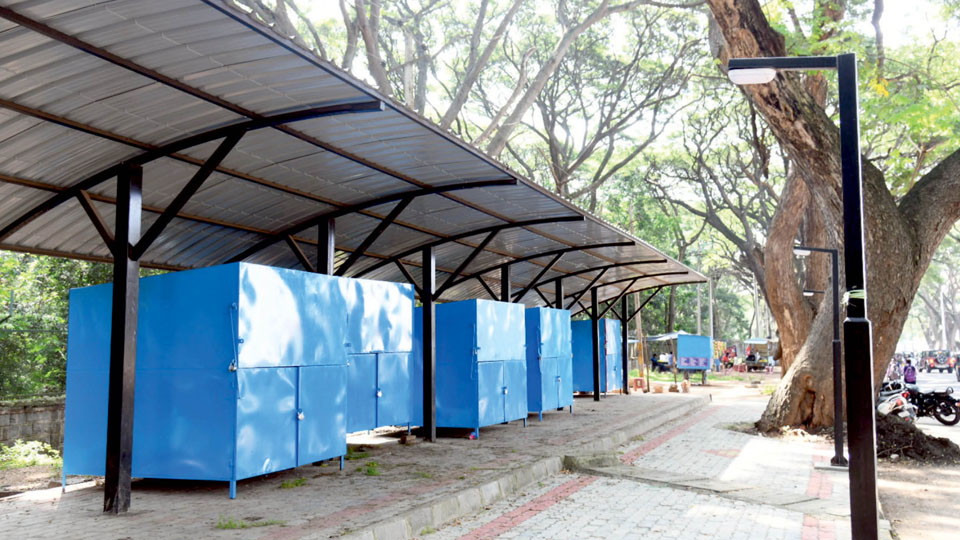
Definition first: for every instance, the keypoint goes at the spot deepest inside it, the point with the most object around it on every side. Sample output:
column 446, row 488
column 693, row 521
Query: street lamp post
column 838, row 459
column 857, row 342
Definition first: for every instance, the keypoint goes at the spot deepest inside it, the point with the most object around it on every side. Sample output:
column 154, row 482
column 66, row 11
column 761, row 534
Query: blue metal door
column 394, row 383
column 565, row 378
column 549, row 383
column 490, row 392
column 514, row 389
column 266, row 420
column 362, row 395
column 321, row 413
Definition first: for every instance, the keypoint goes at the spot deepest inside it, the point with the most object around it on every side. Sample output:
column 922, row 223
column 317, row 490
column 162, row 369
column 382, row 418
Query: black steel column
column 838, row 457
column 326, row 249
column 429, row 344
column 595, row 331
column 505, row 284
column 858, row 339
column 623, row 344
column 123, row 342
column 558, row 293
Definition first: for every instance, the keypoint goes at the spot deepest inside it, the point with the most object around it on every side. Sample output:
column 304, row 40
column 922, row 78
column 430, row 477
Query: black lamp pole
column 858, row 341
column 838, row 459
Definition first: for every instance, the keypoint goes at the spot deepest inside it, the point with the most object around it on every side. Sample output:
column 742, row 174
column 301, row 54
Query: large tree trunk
column 901, row 239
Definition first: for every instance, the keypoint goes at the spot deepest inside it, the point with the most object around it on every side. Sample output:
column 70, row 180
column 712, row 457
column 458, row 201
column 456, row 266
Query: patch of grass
column 228, row 523
column 352, row 455
column 371, row 468
column 636, row 438
column 428, row 530
column 768, row 389
column 27, row 454
column 290, row 484
column 461, row 477
column 422, row 474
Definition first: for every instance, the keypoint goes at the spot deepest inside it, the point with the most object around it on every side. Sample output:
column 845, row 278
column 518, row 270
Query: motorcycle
column 938, row 404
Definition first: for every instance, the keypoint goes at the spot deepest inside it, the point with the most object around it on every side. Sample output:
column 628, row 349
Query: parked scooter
column 899, row 405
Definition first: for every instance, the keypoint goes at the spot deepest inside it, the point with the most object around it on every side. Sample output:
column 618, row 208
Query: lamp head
column 808, row 293
column 800, row 252
column 743, row 76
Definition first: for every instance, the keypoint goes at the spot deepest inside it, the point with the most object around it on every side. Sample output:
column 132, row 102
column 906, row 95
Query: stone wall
column 34, row 421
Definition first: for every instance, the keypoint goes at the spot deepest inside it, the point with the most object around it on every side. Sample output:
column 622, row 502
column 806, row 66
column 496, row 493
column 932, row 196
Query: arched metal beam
column 659, row 274
column 542, row 254
column 393, row 197
column 182, row 144
column 468, row 234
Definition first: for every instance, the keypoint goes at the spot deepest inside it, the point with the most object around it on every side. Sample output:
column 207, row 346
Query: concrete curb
column 440, row 511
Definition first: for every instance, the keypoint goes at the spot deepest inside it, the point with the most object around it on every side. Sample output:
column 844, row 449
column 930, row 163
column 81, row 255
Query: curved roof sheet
column 88, row 84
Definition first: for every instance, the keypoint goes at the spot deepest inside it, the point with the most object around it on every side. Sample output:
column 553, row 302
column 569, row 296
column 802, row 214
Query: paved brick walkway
column 333, row 503
column 691, row 479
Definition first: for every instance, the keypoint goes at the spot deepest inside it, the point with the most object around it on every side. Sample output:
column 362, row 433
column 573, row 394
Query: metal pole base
column 839, row 461
column 857, row 348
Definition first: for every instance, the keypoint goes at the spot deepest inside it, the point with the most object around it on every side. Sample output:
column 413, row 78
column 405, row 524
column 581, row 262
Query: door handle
column 504, row 390
column 379, row 393
column 300, row 414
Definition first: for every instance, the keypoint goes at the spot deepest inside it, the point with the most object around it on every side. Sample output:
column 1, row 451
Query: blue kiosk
column 611, row 366
column 481, row 365
column 241, row 371
column 380, row 363
column 549, row 360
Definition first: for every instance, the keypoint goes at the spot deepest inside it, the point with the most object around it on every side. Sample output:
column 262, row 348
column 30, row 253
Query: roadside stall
column 687, row 353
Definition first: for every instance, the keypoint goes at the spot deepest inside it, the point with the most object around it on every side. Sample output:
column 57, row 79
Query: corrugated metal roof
column 88, row 84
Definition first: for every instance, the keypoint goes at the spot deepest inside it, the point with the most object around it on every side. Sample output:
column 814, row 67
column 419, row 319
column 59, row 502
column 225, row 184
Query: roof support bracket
column 579, row 295
column 613, row 302
column 536, row 281
column 188, row 191
column 486, row 287
column 649, row 298
column 409, row 277
column 466, row 262
column 98, row 223
column 301, row 256
column 542, row 296
column 374, row 234
column 332, row 214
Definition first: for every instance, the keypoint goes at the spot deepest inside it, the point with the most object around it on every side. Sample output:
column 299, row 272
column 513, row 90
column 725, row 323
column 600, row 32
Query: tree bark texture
column 901, row 238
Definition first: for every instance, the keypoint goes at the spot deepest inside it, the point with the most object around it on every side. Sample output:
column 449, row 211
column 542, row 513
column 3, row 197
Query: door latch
column 300, row 414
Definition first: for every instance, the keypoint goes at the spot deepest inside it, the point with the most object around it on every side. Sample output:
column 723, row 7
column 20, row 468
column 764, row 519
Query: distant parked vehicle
column 939, row 360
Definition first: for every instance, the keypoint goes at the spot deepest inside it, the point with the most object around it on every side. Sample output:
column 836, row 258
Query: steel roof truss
column 372, row 237
column 535, row 281
column 466, row 262
column 301, row 256
column 618, row 297
column 579, row 295
column 98, row 222
column 218, row 155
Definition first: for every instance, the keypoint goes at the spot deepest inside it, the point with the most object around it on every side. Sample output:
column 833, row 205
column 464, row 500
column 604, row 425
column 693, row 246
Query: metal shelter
column 204, row 138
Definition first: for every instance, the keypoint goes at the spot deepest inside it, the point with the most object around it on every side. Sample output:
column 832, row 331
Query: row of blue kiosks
column 244, row 370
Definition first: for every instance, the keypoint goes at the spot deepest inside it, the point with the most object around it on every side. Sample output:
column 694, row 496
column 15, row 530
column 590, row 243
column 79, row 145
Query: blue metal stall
column 611, row 366
column 481, row 370
column 380, row 347
column 549, row 360
column 241, row 371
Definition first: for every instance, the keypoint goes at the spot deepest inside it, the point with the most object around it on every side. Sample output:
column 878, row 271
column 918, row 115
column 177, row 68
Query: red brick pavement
column 515, row 517
column 648, row 446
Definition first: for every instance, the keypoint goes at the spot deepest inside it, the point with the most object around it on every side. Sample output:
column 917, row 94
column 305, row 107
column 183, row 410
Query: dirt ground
column 922, row 502
column 19, row 480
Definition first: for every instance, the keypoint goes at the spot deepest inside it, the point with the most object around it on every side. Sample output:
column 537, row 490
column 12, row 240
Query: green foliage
column 353, row 454
column 34, row 304
column 290, row 484
column 371, row 468
column 28, row 454
column 423, row 474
